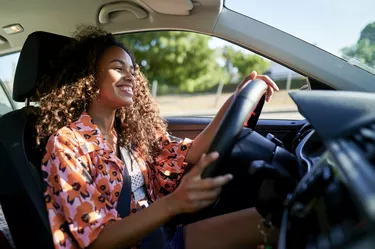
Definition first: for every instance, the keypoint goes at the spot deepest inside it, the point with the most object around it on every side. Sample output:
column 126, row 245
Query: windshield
column 343, row 28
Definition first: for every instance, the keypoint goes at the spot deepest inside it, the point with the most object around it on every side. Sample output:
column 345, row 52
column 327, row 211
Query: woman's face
column 115, row 75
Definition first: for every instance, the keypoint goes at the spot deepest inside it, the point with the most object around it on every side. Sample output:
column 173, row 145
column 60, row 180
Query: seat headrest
column 39, row 50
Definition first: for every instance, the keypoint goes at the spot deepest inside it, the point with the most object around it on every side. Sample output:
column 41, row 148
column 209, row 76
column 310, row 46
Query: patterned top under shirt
column 136, row 176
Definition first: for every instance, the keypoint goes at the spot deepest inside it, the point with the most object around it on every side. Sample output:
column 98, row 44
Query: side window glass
column 8, row 65
column 193, row 74
column 5, row 105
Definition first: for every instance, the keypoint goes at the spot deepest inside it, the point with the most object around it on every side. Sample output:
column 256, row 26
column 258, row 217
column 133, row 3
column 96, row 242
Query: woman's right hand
column 195, row 193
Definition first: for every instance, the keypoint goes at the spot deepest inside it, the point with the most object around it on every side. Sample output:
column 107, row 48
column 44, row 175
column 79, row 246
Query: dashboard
column 333, row 205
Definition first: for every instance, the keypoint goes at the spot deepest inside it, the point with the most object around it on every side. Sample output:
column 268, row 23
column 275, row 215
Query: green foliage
column 245, row 63
column 368, row 33
column 364, row 50
column 183, row 61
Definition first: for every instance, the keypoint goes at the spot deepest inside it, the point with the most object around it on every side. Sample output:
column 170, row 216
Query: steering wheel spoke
column 244, row 103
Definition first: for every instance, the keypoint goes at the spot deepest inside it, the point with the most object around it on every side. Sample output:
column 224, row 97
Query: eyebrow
column 122, row 63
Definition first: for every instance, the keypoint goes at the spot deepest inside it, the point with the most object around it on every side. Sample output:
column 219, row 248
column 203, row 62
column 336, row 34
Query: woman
column 101, row 121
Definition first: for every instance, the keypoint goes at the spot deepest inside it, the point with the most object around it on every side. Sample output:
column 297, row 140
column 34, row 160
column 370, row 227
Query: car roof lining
column 51, row 16
column 208, row 17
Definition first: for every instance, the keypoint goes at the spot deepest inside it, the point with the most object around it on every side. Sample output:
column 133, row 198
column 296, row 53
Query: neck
column 103, row 117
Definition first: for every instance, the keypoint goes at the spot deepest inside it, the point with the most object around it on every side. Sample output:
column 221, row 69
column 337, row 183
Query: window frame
column 7, row 94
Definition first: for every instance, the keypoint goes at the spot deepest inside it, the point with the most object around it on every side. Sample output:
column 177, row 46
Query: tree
column 174, row 58
column 183, row 61
column 244, row 63
column 364, row 50
column 368, row 33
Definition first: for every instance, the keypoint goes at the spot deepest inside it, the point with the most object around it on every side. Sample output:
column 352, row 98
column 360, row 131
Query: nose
column 128, row 78
column 127, row 75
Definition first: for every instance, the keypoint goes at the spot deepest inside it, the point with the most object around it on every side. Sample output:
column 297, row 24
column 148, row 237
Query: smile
column 128, row 90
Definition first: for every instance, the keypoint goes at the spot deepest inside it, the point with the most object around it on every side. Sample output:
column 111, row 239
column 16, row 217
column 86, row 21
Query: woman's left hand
column 272, row 87
column 203, row 141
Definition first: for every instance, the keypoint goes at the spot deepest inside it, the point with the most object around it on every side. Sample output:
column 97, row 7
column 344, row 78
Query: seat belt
column 160, row 237
column 123, row 205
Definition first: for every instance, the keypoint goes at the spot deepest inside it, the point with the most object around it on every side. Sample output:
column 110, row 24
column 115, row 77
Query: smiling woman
column 104, row 138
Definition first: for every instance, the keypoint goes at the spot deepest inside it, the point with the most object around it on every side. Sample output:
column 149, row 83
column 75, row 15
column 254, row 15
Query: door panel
column 187, row 126
column 190, row 127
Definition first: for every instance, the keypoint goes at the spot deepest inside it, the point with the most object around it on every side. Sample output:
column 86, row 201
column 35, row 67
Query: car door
column 284, row 130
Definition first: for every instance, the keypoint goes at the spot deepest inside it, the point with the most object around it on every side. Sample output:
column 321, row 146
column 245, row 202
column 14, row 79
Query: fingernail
column 229, row 176
column 215, row 154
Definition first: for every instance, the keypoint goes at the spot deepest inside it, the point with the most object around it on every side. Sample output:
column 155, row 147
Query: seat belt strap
column 159, row 238
column 123, row 205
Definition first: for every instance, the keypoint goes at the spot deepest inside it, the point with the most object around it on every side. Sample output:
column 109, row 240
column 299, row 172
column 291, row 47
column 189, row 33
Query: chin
column 126, row 102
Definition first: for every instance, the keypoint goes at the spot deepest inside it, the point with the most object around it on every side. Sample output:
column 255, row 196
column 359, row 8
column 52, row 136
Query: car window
column 193, row 74
column 8, row 65
column 5, row 105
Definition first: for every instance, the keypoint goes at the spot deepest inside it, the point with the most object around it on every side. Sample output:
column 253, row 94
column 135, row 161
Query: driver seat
column 21, row 185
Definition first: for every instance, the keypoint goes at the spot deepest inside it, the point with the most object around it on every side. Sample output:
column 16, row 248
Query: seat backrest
column 21, row 185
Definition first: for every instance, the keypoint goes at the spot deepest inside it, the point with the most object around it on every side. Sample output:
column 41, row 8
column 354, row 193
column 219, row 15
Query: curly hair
column 72, row 85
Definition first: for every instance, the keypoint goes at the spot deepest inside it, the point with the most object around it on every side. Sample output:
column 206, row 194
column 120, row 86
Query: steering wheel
column 231, row 125
column 249, row 99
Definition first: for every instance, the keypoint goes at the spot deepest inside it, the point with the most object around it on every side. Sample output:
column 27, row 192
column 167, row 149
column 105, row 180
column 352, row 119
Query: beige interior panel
column 114, row 10
column 62, row 17
column 170, row 7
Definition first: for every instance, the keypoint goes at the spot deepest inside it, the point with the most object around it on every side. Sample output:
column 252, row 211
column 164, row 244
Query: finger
column 204, row 195
column 203, row 204
column 253, row 75
column 205, row 160
column 270, row 92
column 220, row 181
column 268, row 81
column 248, row 118
column 210, row 183
column 202, row 157
column 195, row 169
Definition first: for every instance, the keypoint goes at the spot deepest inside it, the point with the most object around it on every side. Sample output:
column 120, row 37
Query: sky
column 329, row 24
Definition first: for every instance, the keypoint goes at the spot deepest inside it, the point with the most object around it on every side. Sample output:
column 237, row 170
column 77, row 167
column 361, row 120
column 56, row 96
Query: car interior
column 315, row 176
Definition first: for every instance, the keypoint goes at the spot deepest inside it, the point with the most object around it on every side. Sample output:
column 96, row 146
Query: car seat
column 21, row 185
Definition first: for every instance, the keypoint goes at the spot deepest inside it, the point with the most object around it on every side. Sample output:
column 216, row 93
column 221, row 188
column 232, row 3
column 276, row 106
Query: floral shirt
column 83, row 179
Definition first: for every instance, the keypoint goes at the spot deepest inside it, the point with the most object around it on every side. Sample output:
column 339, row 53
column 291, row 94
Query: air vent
column 364, row 138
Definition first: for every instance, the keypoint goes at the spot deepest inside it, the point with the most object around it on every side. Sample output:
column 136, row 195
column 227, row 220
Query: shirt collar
column 88, row 135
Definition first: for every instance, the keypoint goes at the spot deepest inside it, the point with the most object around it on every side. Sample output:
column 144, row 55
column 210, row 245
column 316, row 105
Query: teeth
column 126, row 88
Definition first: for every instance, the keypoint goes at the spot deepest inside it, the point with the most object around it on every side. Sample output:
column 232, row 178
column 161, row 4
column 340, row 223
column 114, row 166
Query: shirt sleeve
column 171, row 164
column 75, row 207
